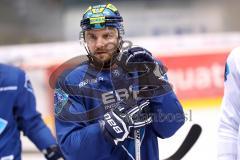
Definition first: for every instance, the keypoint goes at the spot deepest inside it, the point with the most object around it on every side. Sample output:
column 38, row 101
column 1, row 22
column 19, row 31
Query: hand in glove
column 138, row 54
column 53, row 153
column 118, row 123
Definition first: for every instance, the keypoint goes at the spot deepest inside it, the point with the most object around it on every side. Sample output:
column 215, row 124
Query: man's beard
column 104, row 64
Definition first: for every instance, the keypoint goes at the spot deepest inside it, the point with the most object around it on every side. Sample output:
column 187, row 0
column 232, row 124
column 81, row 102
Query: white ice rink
column 205, row 148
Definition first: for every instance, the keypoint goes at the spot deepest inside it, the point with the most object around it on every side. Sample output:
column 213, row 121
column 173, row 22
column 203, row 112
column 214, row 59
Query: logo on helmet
column 101, row 16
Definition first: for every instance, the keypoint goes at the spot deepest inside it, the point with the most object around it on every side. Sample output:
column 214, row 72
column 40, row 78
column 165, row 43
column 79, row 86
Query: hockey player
column 18, row 113
column 111, row 136
column 229, row 133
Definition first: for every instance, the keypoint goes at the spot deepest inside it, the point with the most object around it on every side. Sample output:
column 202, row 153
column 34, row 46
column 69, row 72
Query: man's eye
column 91, row 37
column 107, row 36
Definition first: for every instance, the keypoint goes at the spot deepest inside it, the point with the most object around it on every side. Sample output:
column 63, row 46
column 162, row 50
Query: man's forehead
column 102, row 31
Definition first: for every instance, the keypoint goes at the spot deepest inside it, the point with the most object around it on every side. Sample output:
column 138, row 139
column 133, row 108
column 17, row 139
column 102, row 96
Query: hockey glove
column 53, row 153
column 137, row 59
column 138, row 54
column 151, row 74
column 118, row 123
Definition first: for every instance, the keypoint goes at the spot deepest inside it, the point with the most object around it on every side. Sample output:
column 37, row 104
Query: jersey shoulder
column 76, row 75
column 10, row 75
column 234, row 56
column 232, row 66
column 233, row 60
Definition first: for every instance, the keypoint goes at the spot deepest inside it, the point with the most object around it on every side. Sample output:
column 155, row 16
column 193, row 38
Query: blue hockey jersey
column 18, row 113
column 84, row 140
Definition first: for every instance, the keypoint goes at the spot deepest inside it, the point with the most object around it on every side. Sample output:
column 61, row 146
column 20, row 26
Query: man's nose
column 100, row 43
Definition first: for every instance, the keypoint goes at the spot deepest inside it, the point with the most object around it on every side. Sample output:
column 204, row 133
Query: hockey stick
column 137, row 137
column 188, row 142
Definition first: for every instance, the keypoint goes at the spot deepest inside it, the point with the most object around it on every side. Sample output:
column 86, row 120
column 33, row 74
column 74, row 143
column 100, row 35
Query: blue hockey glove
column 118, row 123
column 53, row 153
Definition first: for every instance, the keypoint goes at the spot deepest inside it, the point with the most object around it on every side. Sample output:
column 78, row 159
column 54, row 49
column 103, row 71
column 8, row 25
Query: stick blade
column 188, row 142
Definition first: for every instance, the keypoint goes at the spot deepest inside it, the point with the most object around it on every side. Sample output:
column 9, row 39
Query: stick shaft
column 137, row 137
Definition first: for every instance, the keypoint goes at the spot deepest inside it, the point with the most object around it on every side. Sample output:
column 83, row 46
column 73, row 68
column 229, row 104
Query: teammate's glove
column 118, row 123
column 53, row 153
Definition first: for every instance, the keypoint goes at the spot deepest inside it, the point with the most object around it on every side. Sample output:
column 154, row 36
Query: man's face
column 102, row 43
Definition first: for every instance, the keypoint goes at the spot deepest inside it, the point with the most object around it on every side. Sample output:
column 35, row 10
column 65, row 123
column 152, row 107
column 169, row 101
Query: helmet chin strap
column 97, row 63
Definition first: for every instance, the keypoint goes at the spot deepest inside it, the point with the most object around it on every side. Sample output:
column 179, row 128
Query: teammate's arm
column 30, row 121
column 168, row 115
column 228, row 131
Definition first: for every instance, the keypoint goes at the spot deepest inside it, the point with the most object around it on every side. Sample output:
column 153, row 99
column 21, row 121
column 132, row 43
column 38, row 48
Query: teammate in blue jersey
column 18, row 113
column 102, row 103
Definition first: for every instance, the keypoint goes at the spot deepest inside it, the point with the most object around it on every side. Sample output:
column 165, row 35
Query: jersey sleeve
column 228, row 131
column 28, row 119
column 168, row 115
column 80, row 139
column 167, row 111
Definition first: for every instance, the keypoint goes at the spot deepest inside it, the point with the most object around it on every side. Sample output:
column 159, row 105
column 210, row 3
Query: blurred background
column 32, row 21
column 192, row 37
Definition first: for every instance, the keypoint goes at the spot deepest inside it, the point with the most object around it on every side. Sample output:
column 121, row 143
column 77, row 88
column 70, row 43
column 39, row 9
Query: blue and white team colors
column 84, row 140
column 18, row 113
column 229, row 128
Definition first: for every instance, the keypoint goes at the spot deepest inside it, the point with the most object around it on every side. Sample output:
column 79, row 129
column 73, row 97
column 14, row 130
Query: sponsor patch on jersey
column 116, row 73
column 3, row 125
column 60, row 99
column 90, row 81
column 226, row 72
